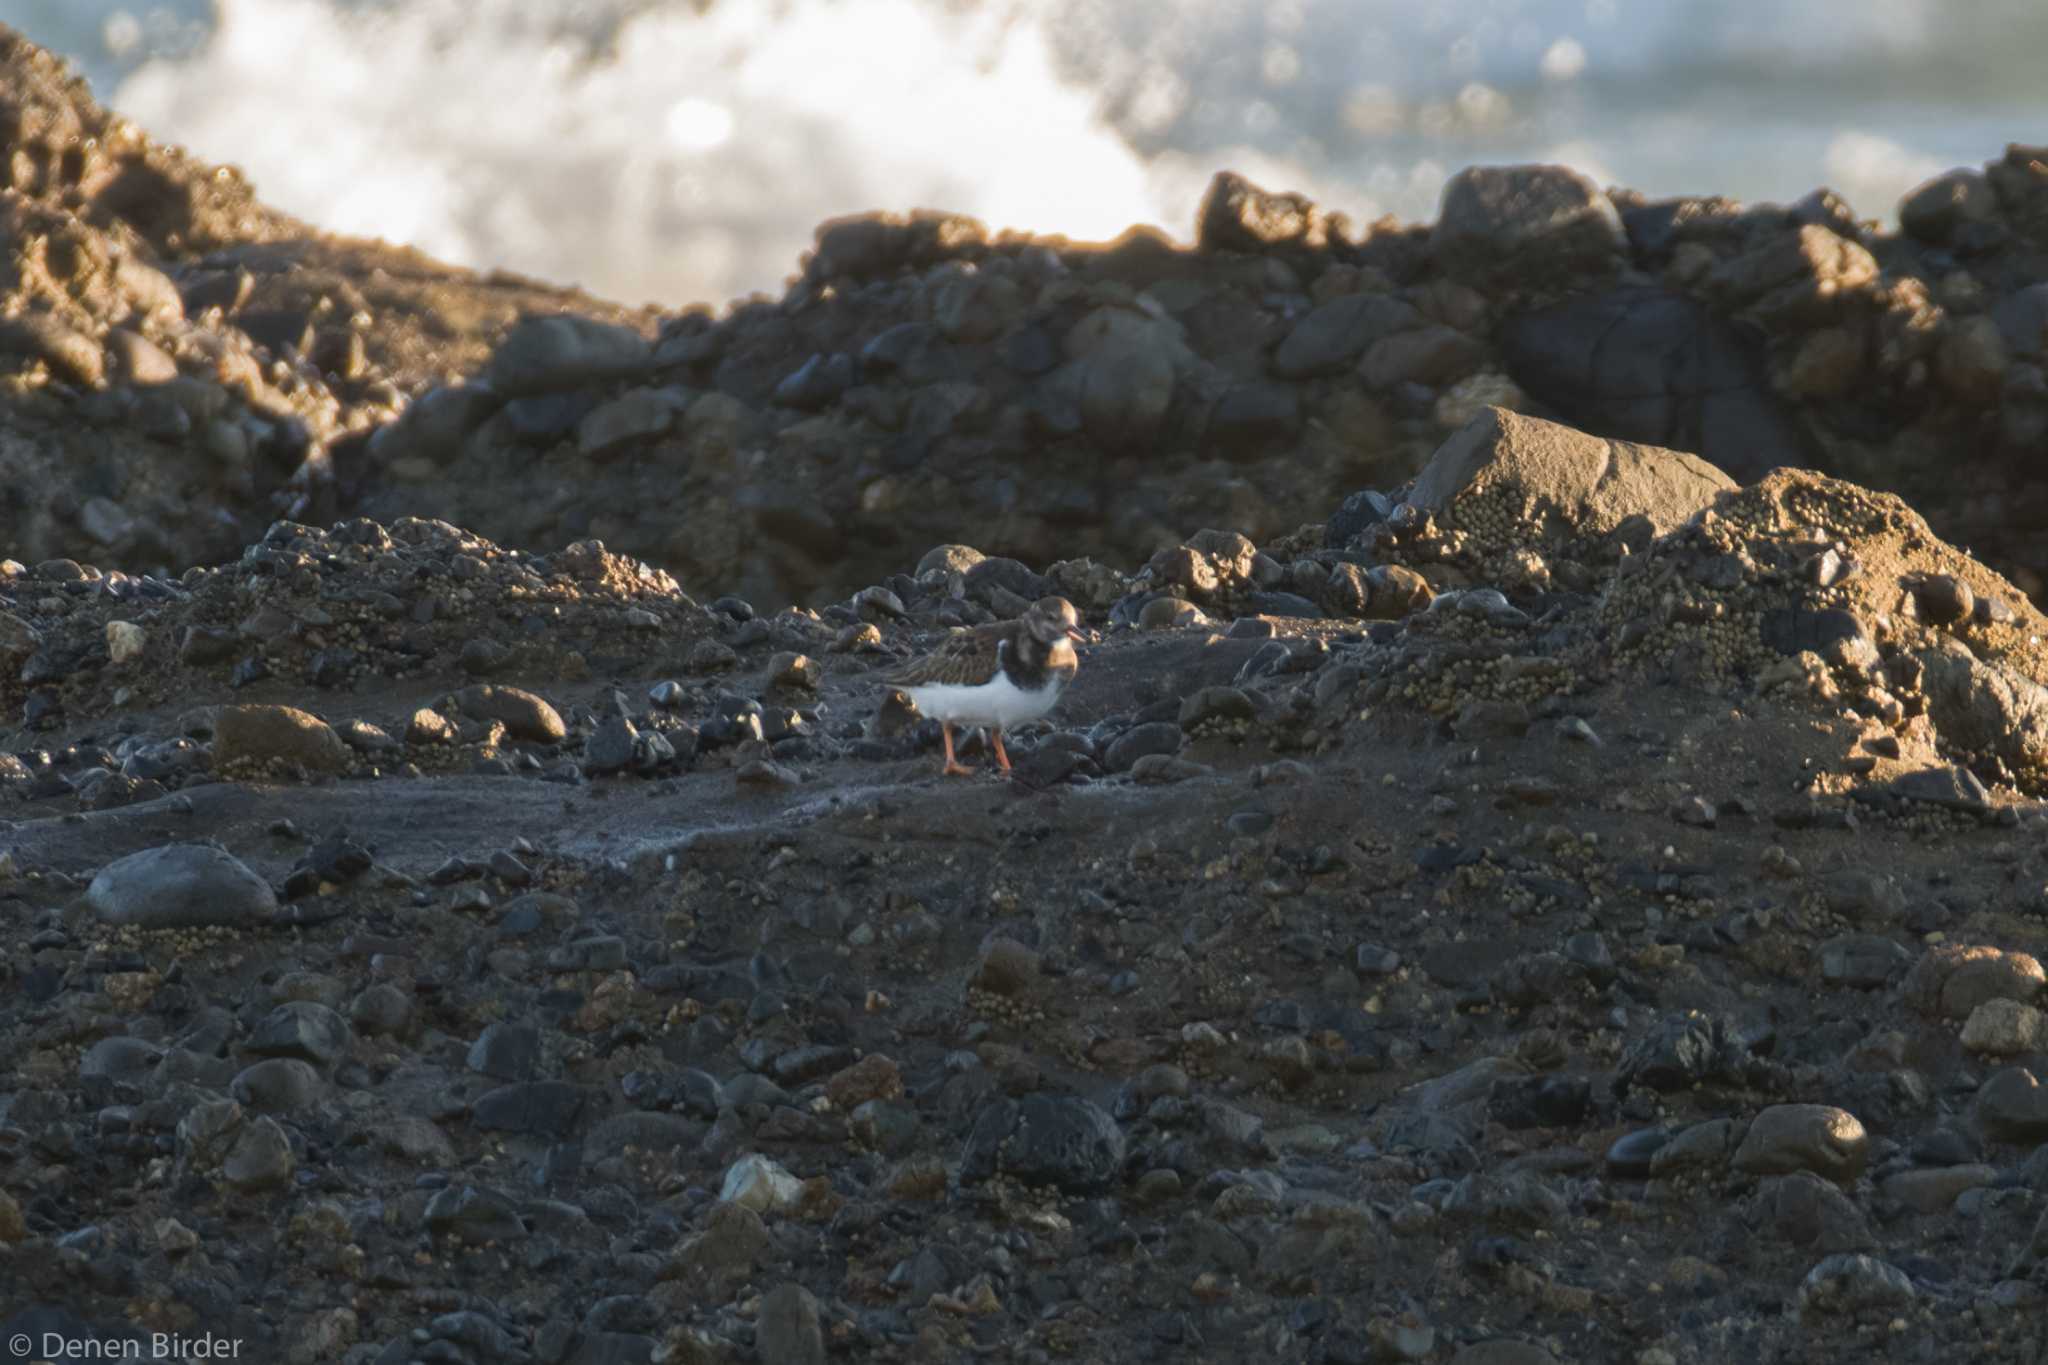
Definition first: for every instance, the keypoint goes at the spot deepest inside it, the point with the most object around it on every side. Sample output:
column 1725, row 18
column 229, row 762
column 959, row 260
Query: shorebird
column 999, row 676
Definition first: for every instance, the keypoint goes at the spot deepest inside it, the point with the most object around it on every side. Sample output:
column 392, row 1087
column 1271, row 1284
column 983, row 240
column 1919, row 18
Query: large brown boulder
column 1587, row 483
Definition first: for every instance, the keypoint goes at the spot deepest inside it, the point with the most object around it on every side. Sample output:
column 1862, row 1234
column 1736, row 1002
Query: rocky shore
column 1499, row 890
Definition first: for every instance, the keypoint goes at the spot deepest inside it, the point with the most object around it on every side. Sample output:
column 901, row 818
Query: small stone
column 1804, row 1137
column 816, row 382
column 1935, row 210
column 1250, row 419
column 1630, row 1155
column 1934, row 1190
column 126, row 642
column 1524, row 222
column 430, row 727
column 180, row 886
column 799, row 671
column 1943, row 599
column 1700, row 1146
column 632, row 419
column 872, row 1078
column 1397, row 591
column 524, row 715
column 1953, row 787
column 1140, row 741
column 787, row 1327
column 382, row 1010
column 1215, row 703
column 1006, row 967
column 13, row 1225
column 547, row 1107
column 557, row 352
column 477, row 1217
column 276, row 1085
column 1165, row 613
column 2005, row 1028
column 259, row 735
column 2012, row 1106
column 1432, row 354
column 1863, row 960
column 1850, row 1283
column 1953, row 980
column 1072, row 1144
column 304, row 1029
column 71, row 355
column 761, row 1185
column 1331, row 337
column 261, row 1158
column 1163, row 769
column 506, row 1051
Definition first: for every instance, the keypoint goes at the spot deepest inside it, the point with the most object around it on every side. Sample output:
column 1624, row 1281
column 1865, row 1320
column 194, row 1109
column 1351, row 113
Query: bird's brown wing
column 963, row 658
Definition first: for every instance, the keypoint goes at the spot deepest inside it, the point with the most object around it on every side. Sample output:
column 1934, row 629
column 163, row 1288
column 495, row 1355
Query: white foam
column 687, row 157
column 690, row 164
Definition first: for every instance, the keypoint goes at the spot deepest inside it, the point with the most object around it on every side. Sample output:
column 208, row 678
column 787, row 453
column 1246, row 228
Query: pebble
column 126, row 642
column 1006, row 967
column 1953, row 980
column 1333, row 336
column 1211, row 703
column 761, row 1185
column 524, row 715
column 261, row 735
column 560, row 351
column 1167, row 613
column 261, row 1158
column 2012, row 1106
column 1157, row 738
column 1815, row 1137
column 506, row 1052
column 793, row 670
column 1852, row 1283
column 2005, row 1028
column 633, row 419
column 1862, row 960
column 1070, row 1144
column 787, row 1327
column 277, row 1085
column 180, row 886
column 304, row 1029
column 1935, row 1190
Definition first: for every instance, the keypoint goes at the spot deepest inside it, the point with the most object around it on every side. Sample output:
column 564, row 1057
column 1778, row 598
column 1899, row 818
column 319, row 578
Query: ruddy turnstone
column 1000, row 676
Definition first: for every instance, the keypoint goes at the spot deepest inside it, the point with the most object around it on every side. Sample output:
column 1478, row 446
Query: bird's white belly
column 999, row 702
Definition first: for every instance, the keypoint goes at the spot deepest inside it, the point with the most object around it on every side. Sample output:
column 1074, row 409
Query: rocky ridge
column 191, row 365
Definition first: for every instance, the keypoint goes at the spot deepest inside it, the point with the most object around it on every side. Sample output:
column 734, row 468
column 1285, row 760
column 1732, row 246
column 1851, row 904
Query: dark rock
column 1333, row 336
column 1525, row 222
column 1071, row 1144
column 1157, row 737
column 1251, row 419
column 1935, row 210
column 1586, row 486
column 1237, row 215
column 816, row 382
column 180, row 886
column 1954, row 788
column 1640, row 364
column 553, row 1108
column 565, row 351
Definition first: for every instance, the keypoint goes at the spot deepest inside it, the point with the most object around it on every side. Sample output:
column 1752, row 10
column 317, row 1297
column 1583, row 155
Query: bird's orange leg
column 954, row 767
column 996, row 733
